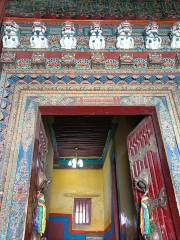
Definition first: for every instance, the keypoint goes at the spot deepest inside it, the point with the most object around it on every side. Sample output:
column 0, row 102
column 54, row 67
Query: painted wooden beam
column 86, row 21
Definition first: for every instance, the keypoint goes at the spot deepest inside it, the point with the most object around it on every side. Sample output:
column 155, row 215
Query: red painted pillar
column 2, row 9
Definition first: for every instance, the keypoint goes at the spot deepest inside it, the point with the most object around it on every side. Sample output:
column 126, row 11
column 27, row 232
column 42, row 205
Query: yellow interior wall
column 107, row 190
column 68, row 184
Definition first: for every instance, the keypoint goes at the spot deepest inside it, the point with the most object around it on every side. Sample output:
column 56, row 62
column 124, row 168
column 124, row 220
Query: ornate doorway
column 138, row 140
column 29, row 100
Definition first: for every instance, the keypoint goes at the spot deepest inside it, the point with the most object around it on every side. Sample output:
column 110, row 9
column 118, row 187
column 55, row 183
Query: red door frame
column 115, row 200
column 126, row 110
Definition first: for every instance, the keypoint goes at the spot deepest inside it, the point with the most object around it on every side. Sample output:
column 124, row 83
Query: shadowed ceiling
column 86, row 133
column 90, row 134
column 95, row 9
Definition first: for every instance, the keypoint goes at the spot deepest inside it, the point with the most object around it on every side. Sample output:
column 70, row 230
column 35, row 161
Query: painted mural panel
column 94, row 9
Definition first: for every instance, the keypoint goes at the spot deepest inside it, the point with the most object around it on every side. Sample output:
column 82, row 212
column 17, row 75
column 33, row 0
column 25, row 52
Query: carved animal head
column 175, row 30
column 96, row 29
column 152, row 29
column 11, row 28
column 142, row 182
column 68, row 29
column 124, row 28
column 38, row 29
column 38, row 38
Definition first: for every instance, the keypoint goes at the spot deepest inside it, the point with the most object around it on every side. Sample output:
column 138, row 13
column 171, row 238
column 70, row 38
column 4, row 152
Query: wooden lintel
column 81, row 195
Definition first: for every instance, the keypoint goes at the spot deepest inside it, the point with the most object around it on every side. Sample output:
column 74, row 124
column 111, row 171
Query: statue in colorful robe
column 96, row 40
column 152, row 38
column 11, row 35
column 38, row 38
column 68, row 39
column 175, row 35
column 124, row 38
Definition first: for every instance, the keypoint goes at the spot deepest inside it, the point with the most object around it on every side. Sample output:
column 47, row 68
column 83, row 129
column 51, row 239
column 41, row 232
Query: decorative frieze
column 8, row 59
column 97, row 60
column 95, row 37
column 53, row 63
column 83, row 64
column 38, row 60
column 155, row 60
column 68, row 60
column 126, row 59
column 82, row 61
column 111, row 64
column 23, row 64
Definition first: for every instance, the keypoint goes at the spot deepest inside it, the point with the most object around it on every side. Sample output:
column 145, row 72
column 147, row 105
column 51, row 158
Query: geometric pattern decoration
column 86, row 62
column 67, row 221
column 94, row 9
column 94, row 79
column 18, row 122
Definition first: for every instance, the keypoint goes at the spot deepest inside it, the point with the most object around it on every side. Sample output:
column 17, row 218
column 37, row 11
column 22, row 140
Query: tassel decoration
column 145, row 224
column 40, row 220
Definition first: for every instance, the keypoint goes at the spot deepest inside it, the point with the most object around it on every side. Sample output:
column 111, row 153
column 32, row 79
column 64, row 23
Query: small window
column 82, row 211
